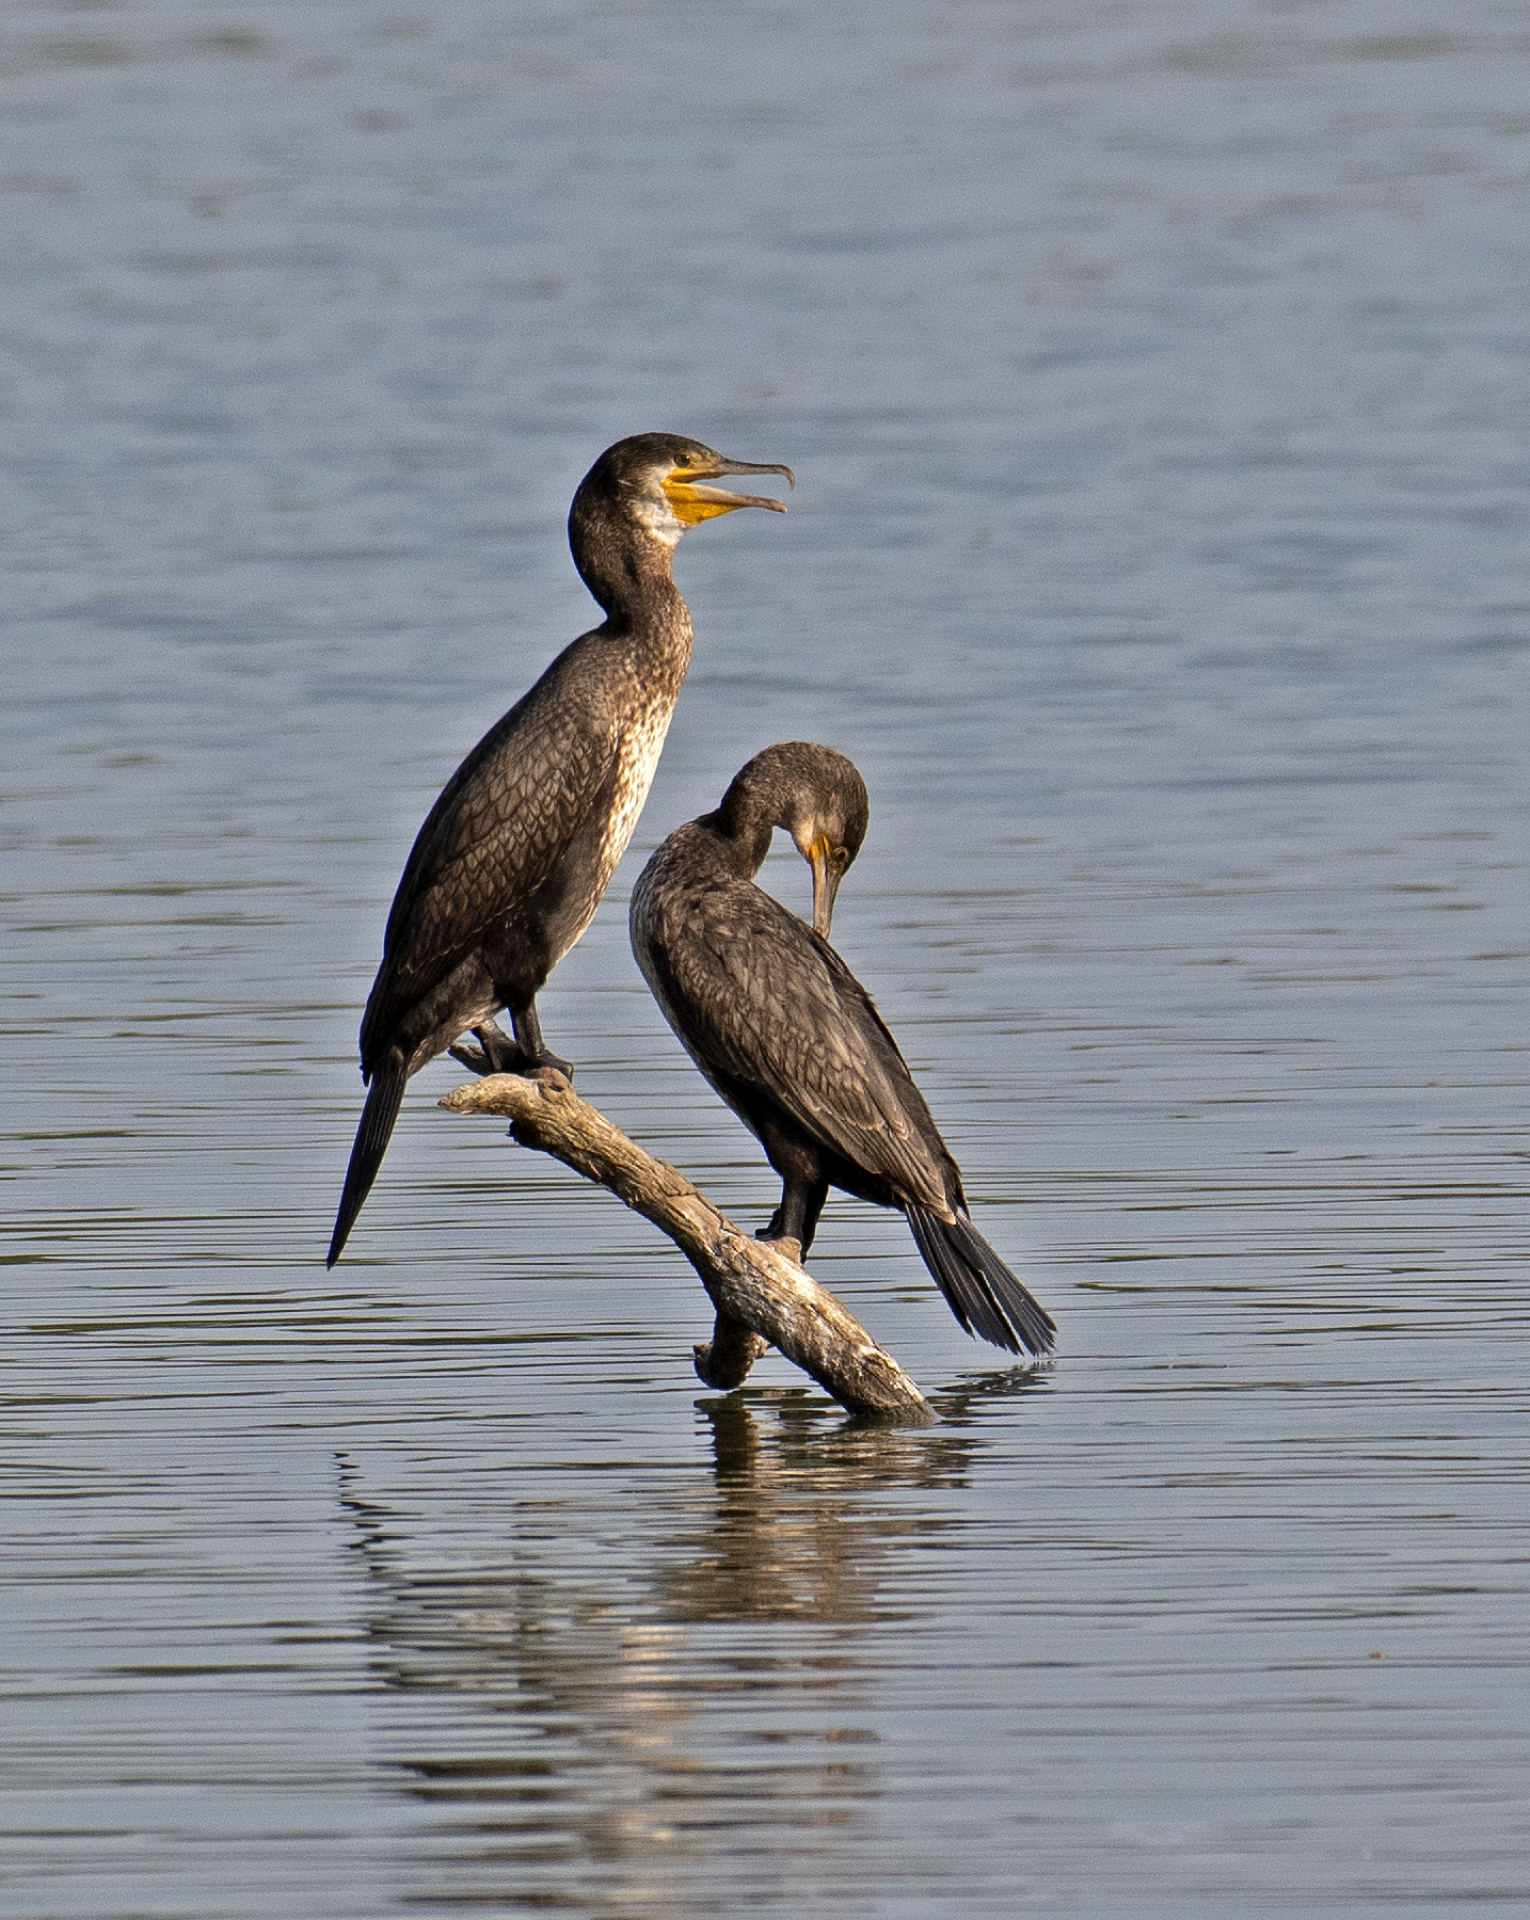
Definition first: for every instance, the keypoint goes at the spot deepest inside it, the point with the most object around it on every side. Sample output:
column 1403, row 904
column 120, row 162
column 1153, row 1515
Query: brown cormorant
column 512, row 860
column 790, row 1038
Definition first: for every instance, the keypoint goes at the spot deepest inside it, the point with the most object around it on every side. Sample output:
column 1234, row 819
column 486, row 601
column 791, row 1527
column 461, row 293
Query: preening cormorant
column 790, row 1038
column 512, row 860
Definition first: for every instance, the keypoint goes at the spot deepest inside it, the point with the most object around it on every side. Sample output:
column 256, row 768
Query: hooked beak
column 692, row 503
column 827, row 874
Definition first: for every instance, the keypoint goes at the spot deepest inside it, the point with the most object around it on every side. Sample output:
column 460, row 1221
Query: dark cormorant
column 789, row 1037
column 512, row 860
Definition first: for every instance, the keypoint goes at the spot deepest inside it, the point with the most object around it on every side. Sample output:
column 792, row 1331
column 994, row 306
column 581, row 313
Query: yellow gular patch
column 691, row 503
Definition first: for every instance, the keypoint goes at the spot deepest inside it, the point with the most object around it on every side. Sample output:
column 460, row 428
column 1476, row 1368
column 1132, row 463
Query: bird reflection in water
column 592, row 1740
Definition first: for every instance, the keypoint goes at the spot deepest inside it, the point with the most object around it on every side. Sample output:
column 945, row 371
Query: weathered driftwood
column 762, row 1297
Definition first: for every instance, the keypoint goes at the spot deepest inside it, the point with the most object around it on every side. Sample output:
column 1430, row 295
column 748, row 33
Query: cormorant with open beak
column 514, row 856
column 790, row 1038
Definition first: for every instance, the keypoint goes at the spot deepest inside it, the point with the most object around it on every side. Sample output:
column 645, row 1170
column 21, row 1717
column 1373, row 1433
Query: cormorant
column 512, row 859
column 790, row 1038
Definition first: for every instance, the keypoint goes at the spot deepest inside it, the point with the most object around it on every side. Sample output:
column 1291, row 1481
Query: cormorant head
column 819, row 797
column 653, row 479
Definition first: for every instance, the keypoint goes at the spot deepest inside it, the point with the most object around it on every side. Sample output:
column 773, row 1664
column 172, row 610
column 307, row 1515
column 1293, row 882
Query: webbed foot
column 506, row 1055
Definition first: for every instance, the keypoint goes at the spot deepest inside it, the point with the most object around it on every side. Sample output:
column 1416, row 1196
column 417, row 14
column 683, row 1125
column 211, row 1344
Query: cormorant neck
column 745, row 826
column 623, row 563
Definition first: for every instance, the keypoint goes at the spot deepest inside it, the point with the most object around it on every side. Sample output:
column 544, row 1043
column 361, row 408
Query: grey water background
column 1156, row 378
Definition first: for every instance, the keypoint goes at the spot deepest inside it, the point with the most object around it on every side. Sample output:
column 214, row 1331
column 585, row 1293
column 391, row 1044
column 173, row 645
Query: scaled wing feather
column 774, row 1006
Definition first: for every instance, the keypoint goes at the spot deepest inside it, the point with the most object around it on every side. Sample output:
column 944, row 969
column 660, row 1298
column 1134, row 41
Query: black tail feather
column 980, row 1290
column 384, row 1098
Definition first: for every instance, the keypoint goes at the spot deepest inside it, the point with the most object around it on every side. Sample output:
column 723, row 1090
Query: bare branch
column 762, row 1297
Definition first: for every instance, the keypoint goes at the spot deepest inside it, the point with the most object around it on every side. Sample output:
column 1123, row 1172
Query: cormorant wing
column 493, row 837
column 772, row 1006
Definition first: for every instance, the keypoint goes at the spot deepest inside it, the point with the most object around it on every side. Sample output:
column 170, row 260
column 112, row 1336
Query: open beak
column 827, row 874
column 692, row 503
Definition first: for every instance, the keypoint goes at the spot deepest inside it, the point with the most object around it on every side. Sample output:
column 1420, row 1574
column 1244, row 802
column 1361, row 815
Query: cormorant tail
column 980, row 1290
column 384, row 1098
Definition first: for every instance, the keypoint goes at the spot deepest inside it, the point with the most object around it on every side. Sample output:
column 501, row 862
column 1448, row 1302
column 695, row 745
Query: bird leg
column 795, row 1221
column 526, row 1052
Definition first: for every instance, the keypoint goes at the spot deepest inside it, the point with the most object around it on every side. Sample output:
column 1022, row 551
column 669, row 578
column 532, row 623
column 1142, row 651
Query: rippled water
column 1155, row 377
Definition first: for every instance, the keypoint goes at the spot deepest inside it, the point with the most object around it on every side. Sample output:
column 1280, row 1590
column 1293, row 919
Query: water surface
column 1154, row 379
